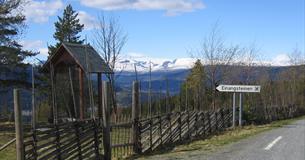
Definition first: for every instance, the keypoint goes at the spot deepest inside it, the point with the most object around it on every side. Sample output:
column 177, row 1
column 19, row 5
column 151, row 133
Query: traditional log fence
column 100, row 138
column 73, row 140
column 176, row 127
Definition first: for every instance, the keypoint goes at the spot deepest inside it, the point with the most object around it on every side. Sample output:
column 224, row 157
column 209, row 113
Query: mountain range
column 164, row 74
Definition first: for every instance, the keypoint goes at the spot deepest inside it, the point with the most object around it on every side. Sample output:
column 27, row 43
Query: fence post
column 135, row 118
column 179, row 126
column 96, row 139
column 168, row 117
column 196, row 123
column 223, row 125
column 18, row 126
column 216, row 120
column 233, row 103
column 106, row 120
column 240, row 110
column 58, row 142
column 188, row 124
column 203, row 123
column 209, row 121
column 160, row 129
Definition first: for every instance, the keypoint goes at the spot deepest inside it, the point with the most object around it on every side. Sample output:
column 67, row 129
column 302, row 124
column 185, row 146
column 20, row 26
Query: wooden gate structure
column 71, row 68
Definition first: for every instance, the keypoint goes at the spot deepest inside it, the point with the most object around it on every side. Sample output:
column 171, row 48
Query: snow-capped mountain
column 143, row 64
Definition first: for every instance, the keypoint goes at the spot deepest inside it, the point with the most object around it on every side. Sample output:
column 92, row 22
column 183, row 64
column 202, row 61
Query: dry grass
column 6, row 134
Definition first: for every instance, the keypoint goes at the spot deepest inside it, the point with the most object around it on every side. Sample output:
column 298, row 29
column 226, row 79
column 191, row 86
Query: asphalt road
column 286, row 143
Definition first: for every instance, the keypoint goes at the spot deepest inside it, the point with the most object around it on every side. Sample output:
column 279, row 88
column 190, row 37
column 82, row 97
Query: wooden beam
column 99, row 84
column 54, row 107
column 18, row 126
column 135, row 117
column 106, row 121
column 81, row 93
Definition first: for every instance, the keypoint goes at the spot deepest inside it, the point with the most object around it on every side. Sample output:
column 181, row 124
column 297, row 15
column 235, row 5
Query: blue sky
column 169, row 28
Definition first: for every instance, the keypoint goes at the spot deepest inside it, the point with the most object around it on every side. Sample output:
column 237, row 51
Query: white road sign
column 238, row 88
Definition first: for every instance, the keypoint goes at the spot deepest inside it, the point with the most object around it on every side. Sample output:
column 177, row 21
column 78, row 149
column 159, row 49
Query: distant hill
column 175, row 78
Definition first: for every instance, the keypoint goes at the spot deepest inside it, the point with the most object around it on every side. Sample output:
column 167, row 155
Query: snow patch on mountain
column 142, row 64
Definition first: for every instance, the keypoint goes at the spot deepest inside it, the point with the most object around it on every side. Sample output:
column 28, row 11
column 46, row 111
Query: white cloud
column 36, row 46
column 43, row 51
column 88, row 20
column 280, row 60
column 40, row 11
column 171, row 7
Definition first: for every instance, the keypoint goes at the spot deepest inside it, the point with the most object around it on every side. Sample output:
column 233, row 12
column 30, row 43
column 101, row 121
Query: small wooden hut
column 72, row 69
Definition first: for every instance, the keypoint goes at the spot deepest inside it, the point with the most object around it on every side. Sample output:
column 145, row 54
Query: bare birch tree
column 218, row 57
column 295, row 60
column 109, row 39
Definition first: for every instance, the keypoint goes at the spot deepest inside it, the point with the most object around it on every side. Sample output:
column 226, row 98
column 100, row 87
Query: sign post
column 240, row 109
column 238, row 89
column 233, row 122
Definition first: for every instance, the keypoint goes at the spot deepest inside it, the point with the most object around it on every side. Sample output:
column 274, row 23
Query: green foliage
column 11, row 25
column 67, row 29
column 194, row 88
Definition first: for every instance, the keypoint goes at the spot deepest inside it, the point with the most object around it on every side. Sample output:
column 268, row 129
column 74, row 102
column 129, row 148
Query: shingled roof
column 83, row 55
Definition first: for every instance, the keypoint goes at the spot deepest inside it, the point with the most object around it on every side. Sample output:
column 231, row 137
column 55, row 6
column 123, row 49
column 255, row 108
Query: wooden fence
column 73, row 140
column 100, row 138
column 176, row 127
column 121, row 137
column 269, row 114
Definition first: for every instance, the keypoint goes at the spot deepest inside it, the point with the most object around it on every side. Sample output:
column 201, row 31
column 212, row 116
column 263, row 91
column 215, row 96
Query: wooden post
column 34, row 116
column 18, row 126
column 188, row 123
column 216, row 120
column 33, row 100
column 160, row 129
column 196, row 123
column 170, row 127
column 106, row 120
column 233, row 121
column 73, row 94
column 54, row 106
column 180, row 126
column 135, row 117
column 209, row 121
column 81, row 94
column 150, row 133
column 203, row 123
column 240, row 109
column 223, row 124
column 100, row 99
column 96, row 139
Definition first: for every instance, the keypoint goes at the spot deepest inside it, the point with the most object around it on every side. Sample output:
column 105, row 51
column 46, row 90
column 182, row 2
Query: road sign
column 239, row 88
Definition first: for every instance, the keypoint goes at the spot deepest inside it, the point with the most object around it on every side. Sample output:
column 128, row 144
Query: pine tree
column 67, row 29
column 11, row 25
column 195, row 84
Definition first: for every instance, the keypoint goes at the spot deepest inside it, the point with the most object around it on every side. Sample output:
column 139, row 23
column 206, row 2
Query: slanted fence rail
column 73, row 140
column 177, row 127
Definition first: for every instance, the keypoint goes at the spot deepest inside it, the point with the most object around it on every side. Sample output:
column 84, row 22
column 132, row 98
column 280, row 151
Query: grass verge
column 6, row 134
column 229, row 136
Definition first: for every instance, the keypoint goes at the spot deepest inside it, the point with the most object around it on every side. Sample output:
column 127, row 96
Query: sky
column 169, row 29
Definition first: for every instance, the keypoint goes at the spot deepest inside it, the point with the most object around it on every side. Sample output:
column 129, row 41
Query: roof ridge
column 76, row 44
